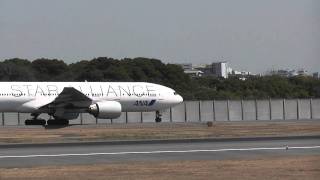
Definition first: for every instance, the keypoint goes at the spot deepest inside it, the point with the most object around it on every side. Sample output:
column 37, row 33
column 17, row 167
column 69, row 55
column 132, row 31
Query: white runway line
column 159, row 152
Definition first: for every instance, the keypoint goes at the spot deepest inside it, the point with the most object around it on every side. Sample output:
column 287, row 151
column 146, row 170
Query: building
column 189, row 69
column 240, row 73
column 316, row 75
column 302, row 72
column 217, row 69
column 194, row 73
column 186, row 66
column 289, row 73
column 283, row 73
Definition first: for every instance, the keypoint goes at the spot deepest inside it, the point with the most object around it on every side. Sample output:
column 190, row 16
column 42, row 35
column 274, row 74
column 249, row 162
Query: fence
column 203, row 111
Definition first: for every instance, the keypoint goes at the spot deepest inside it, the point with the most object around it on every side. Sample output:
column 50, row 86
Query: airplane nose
column 179, row 99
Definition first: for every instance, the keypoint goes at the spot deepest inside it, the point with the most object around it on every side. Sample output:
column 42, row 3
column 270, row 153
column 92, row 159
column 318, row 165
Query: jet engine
column 105, row 109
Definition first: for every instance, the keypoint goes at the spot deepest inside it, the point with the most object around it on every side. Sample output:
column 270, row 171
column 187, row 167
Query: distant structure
column 223, row 70
column 189, row 69
column 215, row 69
column 288, row 72
column 240, row 73
column 186, row 66
column 283, row 73
column 194, row 73
column 302, row 72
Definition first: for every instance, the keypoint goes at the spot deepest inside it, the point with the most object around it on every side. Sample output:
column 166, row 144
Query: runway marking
column 160, row 152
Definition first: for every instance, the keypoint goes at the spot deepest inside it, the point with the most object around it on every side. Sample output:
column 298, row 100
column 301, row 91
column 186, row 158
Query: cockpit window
column 175, row 93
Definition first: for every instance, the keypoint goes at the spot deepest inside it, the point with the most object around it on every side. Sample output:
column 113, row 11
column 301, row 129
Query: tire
column 158, row 120
column 39, row 122
column 60, row 122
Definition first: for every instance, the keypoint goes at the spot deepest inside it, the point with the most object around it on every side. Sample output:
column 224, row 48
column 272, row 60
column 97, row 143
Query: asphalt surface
column 15, row 156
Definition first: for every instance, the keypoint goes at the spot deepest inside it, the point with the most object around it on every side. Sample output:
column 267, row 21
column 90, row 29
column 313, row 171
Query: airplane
column 65, row 100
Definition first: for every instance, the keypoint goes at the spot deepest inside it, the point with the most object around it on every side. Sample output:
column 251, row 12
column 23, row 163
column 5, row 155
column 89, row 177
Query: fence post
column 18, row 119
column 270, row 109
column 213, row 109
column 3, row 119
column 311, row 110
column 171, row 114
column 298, row 109
column 242, row 114
column 141, row 117
column 284, row 109
column 185, row 112
column 199, row 111
column 96, row 120
column 81, row 118
column 228, row 110
column 126, row 117
column 256, row 108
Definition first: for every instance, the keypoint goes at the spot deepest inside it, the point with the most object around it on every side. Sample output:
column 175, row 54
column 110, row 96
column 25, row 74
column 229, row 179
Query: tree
column 16, row 70
column 49, row 70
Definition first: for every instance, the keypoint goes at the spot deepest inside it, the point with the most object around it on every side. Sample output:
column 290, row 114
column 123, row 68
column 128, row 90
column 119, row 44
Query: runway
column 95, row 153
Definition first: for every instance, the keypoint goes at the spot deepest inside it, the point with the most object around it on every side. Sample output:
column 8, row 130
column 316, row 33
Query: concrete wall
column 263, row 110
column 221, row 110
column 206, row 111
column 192, row 111
column 178, row 113
column 235, row 110
column 291, row 109
column 276, row 109
column 315, row 110
column 249, row 110
column 203, row 111
column 304, row 109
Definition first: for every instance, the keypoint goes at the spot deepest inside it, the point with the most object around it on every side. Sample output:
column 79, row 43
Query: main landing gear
column 35, row 120
column 58, row 122
column 158, row 117
column 51, row 122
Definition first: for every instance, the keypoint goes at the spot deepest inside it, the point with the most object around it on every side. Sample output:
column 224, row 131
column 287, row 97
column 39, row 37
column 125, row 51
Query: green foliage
column 152, row 70
column 49, row 70
column 16, row 70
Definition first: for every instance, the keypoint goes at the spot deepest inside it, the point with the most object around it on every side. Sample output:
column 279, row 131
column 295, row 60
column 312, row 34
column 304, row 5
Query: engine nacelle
column 106, row 109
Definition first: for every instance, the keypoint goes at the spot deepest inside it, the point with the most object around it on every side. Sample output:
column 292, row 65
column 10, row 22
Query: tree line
column 153, row 70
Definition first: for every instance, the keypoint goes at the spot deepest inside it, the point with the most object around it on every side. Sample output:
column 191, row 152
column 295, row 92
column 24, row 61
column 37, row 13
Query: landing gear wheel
column 35, row 120
column 40, row 122
column 158, row 117
column 57, row 122
column 158, row 120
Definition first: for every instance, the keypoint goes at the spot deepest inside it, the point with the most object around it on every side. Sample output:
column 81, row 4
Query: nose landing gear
column 158, row 117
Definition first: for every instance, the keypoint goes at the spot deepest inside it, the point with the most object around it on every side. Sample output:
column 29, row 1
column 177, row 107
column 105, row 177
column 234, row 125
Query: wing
column 68, row 104
column 70, row 98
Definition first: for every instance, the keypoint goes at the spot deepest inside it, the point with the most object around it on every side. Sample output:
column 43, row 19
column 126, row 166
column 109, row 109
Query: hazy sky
column 253, row 35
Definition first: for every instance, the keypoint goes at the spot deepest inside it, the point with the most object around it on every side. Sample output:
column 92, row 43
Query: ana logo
column 152, row 102
column 144, row 103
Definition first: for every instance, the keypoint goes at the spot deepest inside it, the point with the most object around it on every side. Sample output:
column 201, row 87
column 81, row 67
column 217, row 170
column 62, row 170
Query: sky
column 252, row 35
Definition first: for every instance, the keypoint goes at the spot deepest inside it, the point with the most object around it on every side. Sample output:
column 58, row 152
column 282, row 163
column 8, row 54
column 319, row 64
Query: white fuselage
column 27, row 97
